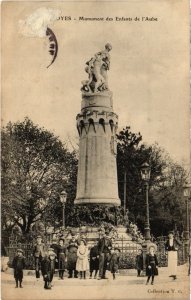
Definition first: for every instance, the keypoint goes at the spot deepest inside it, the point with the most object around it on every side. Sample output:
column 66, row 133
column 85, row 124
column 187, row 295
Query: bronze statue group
column 76, row 257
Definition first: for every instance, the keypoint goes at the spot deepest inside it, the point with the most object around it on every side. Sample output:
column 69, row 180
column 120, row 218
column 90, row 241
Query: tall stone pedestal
column 97, row 171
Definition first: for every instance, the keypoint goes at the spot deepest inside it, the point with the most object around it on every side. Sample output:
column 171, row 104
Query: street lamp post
column 145, row 176
column 186, row 191
column 63, row 196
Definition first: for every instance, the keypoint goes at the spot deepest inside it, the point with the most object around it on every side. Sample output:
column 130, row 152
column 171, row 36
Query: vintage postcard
column 95, row 150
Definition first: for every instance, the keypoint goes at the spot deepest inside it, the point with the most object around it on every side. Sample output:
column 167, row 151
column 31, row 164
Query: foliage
column 36, row 167
column 167, row 209
column 127, row 260
column 131, row 155
column 135, row 233
column 95, row 215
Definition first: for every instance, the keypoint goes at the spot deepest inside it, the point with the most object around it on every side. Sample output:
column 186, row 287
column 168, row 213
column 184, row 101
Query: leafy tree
column 165, row 185
column 130, row 156
column 36, row 167
column 168, row 209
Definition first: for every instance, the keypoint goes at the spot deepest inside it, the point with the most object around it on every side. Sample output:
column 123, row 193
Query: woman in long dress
column 82, row 264
column 172, row 248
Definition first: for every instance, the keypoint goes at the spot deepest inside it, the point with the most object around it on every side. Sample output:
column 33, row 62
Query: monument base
column 92, row 234
column 109, row 201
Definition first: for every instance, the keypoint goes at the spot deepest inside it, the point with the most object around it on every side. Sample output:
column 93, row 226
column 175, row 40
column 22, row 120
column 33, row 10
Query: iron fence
column 129, row 251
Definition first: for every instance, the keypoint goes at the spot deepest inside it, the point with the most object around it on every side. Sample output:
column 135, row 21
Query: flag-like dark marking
column 53, row 50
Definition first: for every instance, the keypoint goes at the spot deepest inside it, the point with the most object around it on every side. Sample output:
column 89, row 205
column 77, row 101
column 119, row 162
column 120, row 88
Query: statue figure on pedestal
column 97, row 68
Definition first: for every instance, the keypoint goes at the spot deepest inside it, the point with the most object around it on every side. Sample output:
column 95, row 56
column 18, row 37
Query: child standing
column 18, row 266
column 151, row 265
column 94, row 260
column 48, row 268
column 139, row 262
column 82, row 263
column 61, row 258
column 114, row 261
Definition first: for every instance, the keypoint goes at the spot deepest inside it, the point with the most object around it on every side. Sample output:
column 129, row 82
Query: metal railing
column 129, row 251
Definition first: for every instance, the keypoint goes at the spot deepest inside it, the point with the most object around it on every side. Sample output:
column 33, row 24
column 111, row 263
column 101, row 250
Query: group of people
column 151, row 260
column 74, row 256
column 77, row 259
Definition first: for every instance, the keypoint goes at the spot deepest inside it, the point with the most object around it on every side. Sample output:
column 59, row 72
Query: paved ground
column 124, row 287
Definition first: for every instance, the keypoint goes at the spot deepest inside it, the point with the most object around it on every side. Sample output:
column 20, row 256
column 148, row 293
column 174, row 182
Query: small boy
column 48, row 268
column 114, row 261
column 18, row 265
column 94, row 260
column 139, row 262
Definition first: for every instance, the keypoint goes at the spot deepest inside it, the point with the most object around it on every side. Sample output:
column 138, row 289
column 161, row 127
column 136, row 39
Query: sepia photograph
column 95, row 150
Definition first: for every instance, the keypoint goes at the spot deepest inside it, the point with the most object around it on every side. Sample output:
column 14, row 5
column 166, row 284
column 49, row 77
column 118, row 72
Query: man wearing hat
column 104, row 250
column 18, row 265
column 38, row 253
column 48, row 268
column 72, row 256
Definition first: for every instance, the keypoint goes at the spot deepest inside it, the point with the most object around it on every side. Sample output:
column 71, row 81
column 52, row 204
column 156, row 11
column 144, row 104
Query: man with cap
column 104, row 250
column 72, row 256
column 18, row 265
column 48, row 268
column 38, row 253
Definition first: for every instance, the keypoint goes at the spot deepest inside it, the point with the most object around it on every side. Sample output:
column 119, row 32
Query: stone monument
column 97, row 124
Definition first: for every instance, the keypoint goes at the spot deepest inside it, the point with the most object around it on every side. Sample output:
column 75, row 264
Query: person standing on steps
column 151, row 265
column 82, row 264
column 18, row 265
column 104, row 250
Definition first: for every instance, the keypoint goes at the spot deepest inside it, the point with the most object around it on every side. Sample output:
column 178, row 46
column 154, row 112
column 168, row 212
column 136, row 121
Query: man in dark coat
column 18, row 265
column 38, row 253
column 48, row 268
column 72, row 257
column 94, row 260
column 104, row 250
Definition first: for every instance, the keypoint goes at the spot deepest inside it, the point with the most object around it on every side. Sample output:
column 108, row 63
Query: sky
column 149, row 74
